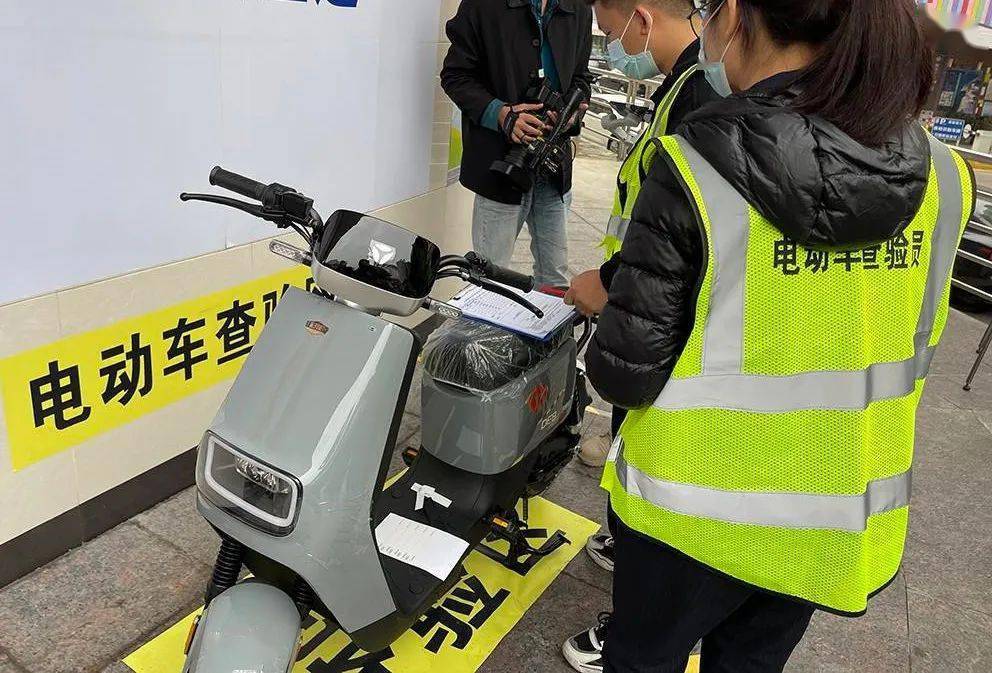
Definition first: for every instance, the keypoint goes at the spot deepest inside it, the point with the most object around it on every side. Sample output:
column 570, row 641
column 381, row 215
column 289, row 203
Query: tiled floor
column 85, row 610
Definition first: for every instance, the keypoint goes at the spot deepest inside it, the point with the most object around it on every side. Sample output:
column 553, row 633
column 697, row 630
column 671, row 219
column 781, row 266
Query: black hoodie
column 817, row 184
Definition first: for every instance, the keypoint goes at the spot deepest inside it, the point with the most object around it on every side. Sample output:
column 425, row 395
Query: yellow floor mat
column 455, row 636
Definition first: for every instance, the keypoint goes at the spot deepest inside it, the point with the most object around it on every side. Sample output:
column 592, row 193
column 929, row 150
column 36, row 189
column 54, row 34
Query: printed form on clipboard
column 478, row 304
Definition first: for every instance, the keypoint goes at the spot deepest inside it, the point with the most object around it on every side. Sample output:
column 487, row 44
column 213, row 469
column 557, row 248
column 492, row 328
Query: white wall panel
column 110, row 108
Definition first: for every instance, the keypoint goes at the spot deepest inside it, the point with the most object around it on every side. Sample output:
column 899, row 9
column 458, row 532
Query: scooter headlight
column 253, row 491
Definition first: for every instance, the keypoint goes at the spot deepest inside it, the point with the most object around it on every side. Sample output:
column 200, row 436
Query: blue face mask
column 715, row 71
column 639, row 66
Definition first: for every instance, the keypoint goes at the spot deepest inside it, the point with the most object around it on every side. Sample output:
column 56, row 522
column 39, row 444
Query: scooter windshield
column 378, row 253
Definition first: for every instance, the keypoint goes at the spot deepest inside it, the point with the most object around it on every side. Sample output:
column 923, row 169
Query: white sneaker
column 600, row 549
column 594, row 450
column 584, row 652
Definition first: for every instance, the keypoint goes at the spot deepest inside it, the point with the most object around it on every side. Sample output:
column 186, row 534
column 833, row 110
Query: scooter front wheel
column 250, row 627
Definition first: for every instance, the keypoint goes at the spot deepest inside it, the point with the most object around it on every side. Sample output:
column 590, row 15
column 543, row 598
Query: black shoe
column 584, row 652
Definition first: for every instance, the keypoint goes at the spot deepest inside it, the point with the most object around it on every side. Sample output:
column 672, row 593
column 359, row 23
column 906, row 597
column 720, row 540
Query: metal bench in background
column 620, row 105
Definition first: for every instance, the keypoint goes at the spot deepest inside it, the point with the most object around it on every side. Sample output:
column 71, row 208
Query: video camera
column 549, row 152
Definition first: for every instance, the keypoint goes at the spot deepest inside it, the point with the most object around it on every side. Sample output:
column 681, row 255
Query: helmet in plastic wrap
column 480, row 357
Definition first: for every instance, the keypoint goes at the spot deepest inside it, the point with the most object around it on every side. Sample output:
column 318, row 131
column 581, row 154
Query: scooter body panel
column 320, row 399
column 250, row 627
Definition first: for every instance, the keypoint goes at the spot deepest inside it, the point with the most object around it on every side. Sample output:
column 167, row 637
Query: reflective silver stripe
column 617, row 226
column 849, row 390
column 781, row 510
column 946, row 236
column 729, row 228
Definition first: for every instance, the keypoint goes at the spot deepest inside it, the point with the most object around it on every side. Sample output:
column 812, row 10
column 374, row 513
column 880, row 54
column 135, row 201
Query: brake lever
column 280, row 218
column 467, row 271
column 244, row 206
column 486, row 284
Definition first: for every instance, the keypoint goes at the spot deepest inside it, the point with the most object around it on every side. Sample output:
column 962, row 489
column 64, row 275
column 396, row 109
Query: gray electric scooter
column 291, row 472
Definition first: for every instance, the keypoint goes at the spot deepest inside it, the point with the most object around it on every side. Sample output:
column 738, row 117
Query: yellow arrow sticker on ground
column 455, row 636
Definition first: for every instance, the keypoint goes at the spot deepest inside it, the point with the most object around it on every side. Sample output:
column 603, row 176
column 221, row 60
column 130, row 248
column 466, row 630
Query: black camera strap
column 510, row 122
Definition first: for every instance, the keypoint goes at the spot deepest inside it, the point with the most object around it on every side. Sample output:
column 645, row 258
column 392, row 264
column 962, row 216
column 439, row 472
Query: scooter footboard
column 250, row 627
column 469, row 500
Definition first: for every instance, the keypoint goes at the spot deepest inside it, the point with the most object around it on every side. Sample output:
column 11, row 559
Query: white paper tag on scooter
column 425, row 493
column 615, row 449
column 417, row 544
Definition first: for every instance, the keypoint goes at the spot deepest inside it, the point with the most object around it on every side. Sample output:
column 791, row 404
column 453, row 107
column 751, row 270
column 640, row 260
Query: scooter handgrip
column 509, row 277
column 238, row 184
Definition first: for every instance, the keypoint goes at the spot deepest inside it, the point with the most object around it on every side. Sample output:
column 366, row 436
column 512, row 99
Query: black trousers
column 665, row 602
column 616, row 420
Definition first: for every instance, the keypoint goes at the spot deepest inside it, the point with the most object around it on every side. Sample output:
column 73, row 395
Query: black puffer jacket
column 818, row 185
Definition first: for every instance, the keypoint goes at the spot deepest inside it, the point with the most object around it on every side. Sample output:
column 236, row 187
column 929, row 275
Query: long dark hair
column 875, row 68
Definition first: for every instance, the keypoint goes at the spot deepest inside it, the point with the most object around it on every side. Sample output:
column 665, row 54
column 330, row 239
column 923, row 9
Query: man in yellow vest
column 645, row 38
column 781, row 291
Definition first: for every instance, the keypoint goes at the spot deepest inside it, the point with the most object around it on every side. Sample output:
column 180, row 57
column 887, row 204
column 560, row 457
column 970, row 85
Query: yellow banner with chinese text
column 63, row 393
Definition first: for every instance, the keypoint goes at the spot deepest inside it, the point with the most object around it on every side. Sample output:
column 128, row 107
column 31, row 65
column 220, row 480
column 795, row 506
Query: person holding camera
column 502, row 52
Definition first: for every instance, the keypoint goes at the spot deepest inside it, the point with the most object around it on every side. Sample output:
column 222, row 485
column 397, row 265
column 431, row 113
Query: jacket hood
column 818, row 185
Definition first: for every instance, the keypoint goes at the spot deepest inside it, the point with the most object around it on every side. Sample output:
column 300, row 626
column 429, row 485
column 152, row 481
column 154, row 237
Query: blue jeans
column 495, row 227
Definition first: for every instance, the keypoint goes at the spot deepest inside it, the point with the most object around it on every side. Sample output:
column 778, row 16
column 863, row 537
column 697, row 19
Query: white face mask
column 639, row 66
column 715, row 71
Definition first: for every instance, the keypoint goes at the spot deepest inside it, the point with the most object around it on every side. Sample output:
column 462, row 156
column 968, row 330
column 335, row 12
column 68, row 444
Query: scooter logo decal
column 316, row 328
column 538, row 398
column 381, row 253
column 554, row 412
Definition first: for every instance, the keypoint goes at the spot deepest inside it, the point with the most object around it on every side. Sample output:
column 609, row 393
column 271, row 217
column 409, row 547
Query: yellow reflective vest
column 780, row 452
column 635, row 167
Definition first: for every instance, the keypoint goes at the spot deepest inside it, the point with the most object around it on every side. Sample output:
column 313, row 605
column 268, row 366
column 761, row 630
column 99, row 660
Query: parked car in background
column 967, row 271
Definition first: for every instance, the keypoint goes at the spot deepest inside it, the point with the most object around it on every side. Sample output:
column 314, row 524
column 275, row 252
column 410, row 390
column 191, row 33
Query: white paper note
column 479, row 304
column 420, row 545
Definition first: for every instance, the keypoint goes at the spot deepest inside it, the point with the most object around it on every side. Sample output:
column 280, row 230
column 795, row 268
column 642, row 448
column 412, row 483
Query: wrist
column 490, row 116
column 501, row 114
column 508, row 121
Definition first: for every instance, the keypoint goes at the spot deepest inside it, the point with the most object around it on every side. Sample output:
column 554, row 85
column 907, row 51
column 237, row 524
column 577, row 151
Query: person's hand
column 528, row 127
column 587, row 293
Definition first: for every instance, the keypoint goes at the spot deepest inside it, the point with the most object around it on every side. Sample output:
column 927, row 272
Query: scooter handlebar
column 501, row 275
column 238, row 184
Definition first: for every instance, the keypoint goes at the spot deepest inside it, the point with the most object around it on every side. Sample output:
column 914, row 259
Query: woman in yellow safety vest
column 781, row 290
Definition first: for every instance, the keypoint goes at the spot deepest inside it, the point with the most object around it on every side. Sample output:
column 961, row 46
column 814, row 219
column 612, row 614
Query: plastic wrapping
column 481, row 357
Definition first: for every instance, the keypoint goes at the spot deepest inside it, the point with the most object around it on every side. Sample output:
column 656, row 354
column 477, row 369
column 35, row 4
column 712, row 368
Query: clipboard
column 480, row 305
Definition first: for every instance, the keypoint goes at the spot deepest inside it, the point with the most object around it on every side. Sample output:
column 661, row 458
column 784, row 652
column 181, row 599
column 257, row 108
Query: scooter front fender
column 250, row 628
